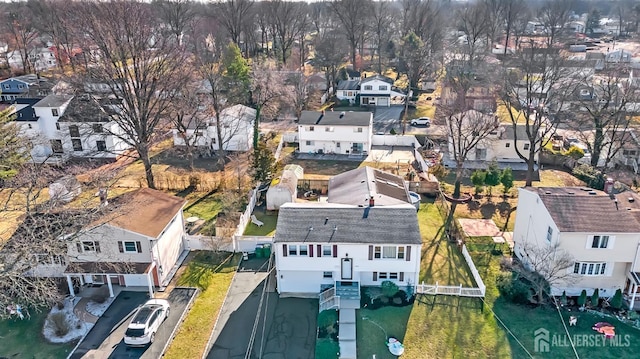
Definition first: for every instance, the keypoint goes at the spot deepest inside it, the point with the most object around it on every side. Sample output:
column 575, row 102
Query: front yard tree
column 138, row 64
column 546, row 265
column 353, row 15
column 267, row 88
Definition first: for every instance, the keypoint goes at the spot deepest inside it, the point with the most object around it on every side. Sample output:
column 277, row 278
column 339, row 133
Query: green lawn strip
column 371, row 338
column 23, row 339
column 326, row 348
column 267, row 229
column 212, row 273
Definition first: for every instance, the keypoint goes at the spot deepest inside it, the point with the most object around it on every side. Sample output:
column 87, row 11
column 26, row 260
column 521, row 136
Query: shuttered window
column 335, row 251
column 311, row 250
column 129, row 247
column 284, row 250
column 375, row 276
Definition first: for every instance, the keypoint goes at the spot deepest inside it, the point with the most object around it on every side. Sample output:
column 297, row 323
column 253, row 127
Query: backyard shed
column 284, row 189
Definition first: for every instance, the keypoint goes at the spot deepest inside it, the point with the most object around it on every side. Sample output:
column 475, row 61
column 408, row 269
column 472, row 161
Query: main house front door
column 347, row 268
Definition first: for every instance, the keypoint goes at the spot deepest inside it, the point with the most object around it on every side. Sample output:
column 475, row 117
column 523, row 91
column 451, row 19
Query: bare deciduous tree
column 546, row 266
column 139, row 65
column 18, row 22
column 353, row 16
column 177, row 14
column 233, row 15
column 289, row 21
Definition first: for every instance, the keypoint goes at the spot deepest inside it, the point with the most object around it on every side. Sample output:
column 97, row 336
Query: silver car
column 146, row 321
column 421, row 121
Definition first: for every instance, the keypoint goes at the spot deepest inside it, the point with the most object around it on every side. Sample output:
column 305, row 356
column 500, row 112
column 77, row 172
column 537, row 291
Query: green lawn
column 212, row 273
column 205, row 206
column 452, row 327
column 269, row 227
column 373, row 327
column 23, row 339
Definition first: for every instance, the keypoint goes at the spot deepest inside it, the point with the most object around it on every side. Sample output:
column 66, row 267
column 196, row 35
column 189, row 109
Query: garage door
column 383, row 101
column 136, row 280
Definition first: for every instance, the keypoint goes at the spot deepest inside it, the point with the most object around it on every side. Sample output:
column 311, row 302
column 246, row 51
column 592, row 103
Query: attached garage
column 136, row 280
column 383, row 101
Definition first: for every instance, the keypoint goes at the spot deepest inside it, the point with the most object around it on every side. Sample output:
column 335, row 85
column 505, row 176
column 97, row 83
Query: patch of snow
column 78, row 328
column 97, row 309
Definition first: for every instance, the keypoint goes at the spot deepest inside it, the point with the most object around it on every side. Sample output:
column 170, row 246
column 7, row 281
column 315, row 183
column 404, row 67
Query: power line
column 565, row 328
column 252, row 338
column 507, row 328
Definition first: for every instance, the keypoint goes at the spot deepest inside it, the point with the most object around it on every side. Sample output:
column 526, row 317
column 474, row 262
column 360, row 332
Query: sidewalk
column 80, row 310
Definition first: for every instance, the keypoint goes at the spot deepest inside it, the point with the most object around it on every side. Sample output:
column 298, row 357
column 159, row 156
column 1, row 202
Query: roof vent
column 593, row 193
column 571, row 192
column 547, row 192
column 631, row 199
column 342, row 114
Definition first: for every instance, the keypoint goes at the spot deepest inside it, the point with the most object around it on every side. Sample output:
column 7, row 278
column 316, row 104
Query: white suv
column 145, row 323
column 421, row 121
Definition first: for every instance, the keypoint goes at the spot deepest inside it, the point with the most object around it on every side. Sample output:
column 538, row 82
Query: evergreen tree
column 263, row 162
column 506, row 178
column 595, row 298
column 478, row 179
column 582, row 299
column 493, row 176
column 593, row 21
column 616, row 300
column 563, row 298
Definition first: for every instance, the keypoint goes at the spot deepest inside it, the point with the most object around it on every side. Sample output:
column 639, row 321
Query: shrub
column 512, row 288
column 493, row 176
column 478, row 178
column 582, row 299
column 591, row 176
column 439, row 171
column 595, row 298
column 100, row 296
column 327, row 318
column 389, row 288
column 393, row 131
column 616, row 300
column 506, row 179
column 563, row 298
column 575, row 152
column 60, row 324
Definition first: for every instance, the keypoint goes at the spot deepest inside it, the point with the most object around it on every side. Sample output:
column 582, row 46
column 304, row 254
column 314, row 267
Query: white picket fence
column 246, row 215
column 279, row 149
column 249, row 243
column 208, row 243
column 459, row 290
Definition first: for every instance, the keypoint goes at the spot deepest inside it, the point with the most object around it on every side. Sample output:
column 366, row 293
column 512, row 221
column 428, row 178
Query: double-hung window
column 590, row 268
column 600, row 242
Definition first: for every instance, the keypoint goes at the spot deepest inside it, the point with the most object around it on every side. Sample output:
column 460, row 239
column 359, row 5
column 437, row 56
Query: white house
column 599, row 231
column 39, row 124
column 378, row 91
column 500, row 144
column 335, row 132
column 237, row 130
column 88, row 130
column 360, row 186
column 348, row 90
column 138, row 242
column 324, row 245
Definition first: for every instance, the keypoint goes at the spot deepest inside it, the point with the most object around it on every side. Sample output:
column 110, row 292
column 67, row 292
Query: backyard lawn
column 212, row 273
column 23, row 339
column 268, row 228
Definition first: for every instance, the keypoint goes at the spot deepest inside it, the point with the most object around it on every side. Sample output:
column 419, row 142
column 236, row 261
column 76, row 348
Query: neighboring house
column 138, row 242
column 378, row 91
column 40, row 58
column 349, row 74
column 39, row 125
column 335, row 132
column 601, row 232
column 479, row 97
column 500, row 145
column 88, row 130
column 32, row 86
column 619, row 56
column 317, row 81
column 237, row 130
column 348, row 90
column 284, row 189
column 324, row 245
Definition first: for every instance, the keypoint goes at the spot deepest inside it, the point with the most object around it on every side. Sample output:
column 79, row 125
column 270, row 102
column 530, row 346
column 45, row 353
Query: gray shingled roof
column 53, row 101
column 355, row 187
column 349, row 85
column 336, row 118
column 577, row 209
column 521, row 132
column 382, row 225
column 386, row 79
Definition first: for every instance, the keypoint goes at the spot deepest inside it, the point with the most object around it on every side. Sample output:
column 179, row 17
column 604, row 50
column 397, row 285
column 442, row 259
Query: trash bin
column 266, row 250
column 259, row 251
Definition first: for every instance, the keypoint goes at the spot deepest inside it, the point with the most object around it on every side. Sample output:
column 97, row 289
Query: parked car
column 421, row 121
column 145, row 323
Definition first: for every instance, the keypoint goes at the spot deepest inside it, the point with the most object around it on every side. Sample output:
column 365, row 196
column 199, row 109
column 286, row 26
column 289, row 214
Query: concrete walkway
column 347, row 333
column 80, row 310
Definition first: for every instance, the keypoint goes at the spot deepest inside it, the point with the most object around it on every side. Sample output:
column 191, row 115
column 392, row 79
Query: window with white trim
column 549, row 233
column 368, row 87
column 88, row 247
column 388, row 252
column 327, row 274
column 309, row 143
column 357, row 129
column 382, row 88
column 311, row 128
column 600, row 242
column 590, row 268
column 293, row 249
column 303, row 250
column 326, row 251
column 526, row 146
column 129, row 247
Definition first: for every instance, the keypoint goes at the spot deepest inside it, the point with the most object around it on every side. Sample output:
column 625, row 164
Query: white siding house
column 335, row 132
column 237, row 130
column 601, row 232
column 378, row 91
column 322, row 245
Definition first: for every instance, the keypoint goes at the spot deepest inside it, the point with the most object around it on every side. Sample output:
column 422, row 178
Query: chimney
column 372, row 202
column 616, row 202
column 342, row 114
column 608, row 186
column 322, row 112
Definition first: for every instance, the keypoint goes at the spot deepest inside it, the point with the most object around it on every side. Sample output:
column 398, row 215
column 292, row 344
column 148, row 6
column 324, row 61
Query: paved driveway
column 386, row 118
column 106, row 338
